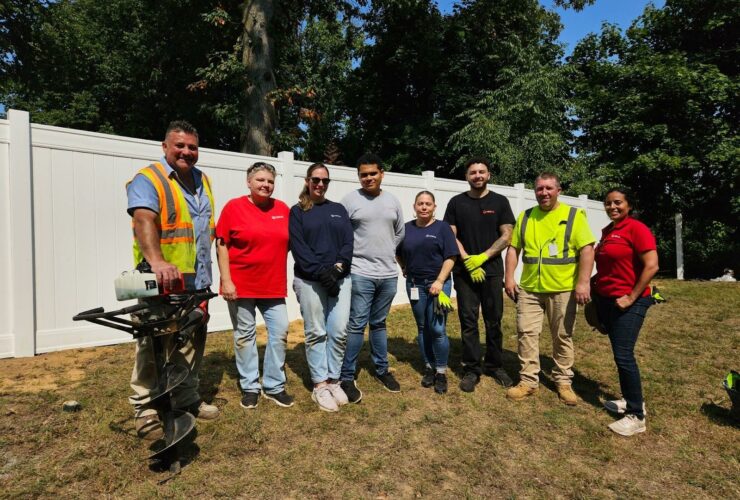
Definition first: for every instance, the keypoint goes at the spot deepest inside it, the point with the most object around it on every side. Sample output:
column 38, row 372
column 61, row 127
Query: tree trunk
column 257, row 53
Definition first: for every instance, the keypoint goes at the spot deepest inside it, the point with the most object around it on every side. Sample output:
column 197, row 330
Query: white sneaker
column 619, row 406
column 336, row 391
column 322, row 396
column 628, row 425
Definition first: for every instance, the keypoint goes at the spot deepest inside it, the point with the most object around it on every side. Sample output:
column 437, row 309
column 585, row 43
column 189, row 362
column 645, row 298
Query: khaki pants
column 144, row 375
column 560, row 308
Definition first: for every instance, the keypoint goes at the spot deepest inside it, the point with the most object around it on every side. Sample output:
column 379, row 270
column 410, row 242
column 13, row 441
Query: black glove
column 328, row 279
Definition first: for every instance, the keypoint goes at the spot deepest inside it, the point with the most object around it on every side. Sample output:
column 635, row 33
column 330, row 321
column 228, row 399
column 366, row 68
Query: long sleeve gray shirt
column 377, row 222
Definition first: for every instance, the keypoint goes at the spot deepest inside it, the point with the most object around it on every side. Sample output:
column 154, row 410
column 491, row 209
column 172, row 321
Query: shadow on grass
column 590, row 391
column 720, row 415
column 214, row 367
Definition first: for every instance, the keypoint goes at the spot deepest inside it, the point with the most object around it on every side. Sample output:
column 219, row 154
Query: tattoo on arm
column 500, row 244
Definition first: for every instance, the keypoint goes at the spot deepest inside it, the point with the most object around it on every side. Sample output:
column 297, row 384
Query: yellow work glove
column 478, row 275
column 444, row 302
column 475, row 261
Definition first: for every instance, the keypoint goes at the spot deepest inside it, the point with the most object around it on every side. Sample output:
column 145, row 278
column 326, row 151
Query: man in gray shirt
column 377, row 221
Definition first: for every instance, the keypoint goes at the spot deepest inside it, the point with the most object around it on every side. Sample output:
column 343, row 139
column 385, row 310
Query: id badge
column 414, row 295
column 553, row 248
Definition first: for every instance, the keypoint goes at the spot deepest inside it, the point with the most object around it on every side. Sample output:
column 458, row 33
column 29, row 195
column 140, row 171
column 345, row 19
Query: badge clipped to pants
column 414, row 293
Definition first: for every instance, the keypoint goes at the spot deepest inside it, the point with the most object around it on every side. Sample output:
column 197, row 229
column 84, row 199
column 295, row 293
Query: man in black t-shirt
column 482, row 222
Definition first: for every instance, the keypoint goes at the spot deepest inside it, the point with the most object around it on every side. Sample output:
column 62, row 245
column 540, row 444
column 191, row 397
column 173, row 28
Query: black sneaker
column 428, row 379
column 440, row 383
column 469, row 381
column 249, row 400
column 389, row 382
column 354, row 395
column 281, row 399
column 500, row 376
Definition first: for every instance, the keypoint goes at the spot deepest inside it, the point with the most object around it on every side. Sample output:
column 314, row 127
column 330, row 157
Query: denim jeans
column 325, row 326
column 624, row 328
column 371, row 301
column 488, row 297
column 242, row 313
column 432, row 337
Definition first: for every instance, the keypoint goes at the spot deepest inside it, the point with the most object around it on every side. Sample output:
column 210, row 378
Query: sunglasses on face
column 318, row 180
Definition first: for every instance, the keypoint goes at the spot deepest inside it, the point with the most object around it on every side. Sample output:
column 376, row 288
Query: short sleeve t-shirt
column 618, row 263
column 477, row 221
column 424, row 249
column 257, row 239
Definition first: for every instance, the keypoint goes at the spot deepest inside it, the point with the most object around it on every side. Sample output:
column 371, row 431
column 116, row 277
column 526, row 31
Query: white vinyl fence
column 65, row 234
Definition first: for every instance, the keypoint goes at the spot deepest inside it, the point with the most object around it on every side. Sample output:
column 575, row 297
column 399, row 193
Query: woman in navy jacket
column 321, row 240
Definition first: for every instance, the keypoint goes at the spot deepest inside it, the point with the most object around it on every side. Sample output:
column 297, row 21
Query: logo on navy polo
column 337, row 216
column 430, row 236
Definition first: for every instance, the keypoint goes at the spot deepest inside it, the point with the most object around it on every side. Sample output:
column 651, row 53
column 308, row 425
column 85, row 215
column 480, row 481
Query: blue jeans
column 242, row 313
column 432, row 337
column 325, row 326
column 624, row 328
column 371, row 301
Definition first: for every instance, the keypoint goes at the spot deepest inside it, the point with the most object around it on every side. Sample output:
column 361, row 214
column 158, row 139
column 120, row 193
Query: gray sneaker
column 628, row 425
column 619, row 406
column 322, row 396
column 339, row 395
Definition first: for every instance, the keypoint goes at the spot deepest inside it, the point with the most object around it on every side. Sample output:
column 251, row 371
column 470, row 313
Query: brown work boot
column 566, row 394
column 149, row 427
column 520, row 391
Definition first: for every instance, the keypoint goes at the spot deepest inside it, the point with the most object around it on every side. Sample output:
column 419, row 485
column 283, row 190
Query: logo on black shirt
column 487, row 212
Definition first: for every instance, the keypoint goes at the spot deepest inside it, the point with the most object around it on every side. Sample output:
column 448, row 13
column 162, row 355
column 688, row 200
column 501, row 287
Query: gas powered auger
column 169, row 319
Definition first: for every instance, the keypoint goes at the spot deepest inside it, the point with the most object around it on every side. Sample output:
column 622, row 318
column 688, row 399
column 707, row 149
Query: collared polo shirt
column 618, row 262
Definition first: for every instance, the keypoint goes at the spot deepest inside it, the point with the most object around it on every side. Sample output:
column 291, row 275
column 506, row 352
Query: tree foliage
column 658, row 112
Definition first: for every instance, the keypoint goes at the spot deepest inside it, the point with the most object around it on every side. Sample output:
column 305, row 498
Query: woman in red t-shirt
column 252, row 249
column 626, row 261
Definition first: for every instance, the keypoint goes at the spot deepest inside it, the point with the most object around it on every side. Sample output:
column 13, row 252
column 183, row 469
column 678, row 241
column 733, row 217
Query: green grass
column 413, row 444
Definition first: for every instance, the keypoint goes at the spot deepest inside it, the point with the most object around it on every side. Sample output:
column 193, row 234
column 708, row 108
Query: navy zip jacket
column 319, row 238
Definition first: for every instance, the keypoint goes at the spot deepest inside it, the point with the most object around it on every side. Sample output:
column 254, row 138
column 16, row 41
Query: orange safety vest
column 177, row 237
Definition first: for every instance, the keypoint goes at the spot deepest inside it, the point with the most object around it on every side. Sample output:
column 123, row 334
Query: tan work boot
column 520, row 391
column 566, row 394
column 149, row 427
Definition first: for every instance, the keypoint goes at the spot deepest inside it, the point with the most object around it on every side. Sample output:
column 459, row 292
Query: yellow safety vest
column 544, row 272
column 177, row 237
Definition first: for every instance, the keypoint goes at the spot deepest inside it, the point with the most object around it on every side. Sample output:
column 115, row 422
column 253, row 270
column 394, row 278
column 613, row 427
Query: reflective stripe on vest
column 565, row 259
column 177, row 237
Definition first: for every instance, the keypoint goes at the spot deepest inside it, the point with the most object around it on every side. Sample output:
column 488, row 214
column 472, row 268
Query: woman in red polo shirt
column 626, row 261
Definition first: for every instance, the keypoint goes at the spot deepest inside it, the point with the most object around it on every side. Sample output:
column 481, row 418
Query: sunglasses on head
column 318, row 180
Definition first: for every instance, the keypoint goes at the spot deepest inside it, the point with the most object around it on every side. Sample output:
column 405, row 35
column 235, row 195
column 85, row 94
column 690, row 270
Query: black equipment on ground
column 178, row 314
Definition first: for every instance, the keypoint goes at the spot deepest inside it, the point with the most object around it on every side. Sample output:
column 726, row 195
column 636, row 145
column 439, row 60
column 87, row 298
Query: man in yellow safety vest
column 172, row 211
column 557, row 250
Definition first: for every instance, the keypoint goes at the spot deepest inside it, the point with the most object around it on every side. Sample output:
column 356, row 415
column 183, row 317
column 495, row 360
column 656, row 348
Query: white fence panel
column 6, row 323
column 82, row 235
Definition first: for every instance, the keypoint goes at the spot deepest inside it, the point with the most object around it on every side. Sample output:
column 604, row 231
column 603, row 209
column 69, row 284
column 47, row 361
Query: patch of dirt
column 46, row 372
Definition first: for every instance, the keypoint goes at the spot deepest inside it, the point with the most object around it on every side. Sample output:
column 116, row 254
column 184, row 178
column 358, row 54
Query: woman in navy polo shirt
column 427, row 255
column 626, row 261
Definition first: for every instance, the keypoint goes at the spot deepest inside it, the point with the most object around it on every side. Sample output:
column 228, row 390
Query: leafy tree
column 505, row 94
column 121, row 66
column 392, row 98
column 658, row 112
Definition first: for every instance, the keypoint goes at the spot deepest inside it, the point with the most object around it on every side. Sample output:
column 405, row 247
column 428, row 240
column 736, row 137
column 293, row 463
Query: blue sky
column 576, row 25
